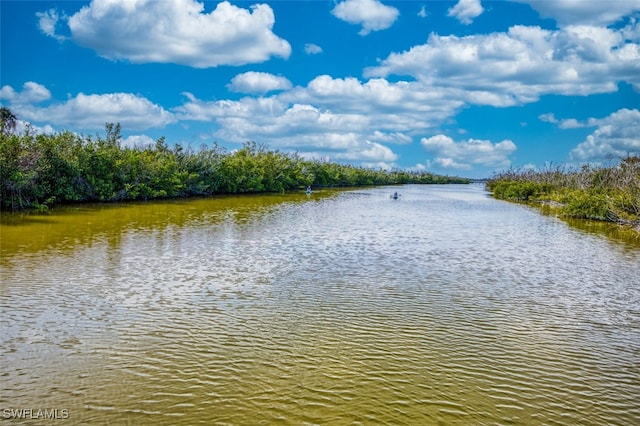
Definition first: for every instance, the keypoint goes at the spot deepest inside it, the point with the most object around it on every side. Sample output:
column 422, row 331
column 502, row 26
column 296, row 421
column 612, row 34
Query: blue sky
column 463, row 88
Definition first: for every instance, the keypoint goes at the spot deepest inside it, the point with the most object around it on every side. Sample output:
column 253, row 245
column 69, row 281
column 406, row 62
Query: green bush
column 38, row 171
column 519, row 190
column 587, row 205
column 603, row 193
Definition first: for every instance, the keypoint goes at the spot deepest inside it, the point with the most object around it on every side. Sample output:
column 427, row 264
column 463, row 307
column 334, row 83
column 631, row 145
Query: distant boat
column 308, row 191
column 395, row 196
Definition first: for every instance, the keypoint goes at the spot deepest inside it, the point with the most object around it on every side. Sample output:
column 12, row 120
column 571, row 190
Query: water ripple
column 445, row 307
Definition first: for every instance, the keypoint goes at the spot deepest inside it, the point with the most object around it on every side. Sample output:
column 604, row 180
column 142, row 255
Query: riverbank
column 610, row 194
column 39, row 171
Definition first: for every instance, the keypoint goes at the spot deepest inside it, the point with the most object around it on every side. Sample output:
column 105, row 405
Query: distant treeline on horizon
column 40, row 170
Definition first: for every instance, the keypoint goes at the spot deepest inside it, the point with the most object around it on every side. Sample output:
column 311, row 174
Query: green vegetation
column 602, row 193
column 37, row 170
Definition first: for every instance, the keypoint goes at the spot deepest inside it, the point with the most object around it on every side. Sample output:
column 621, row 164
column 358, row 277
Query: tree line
column 609, row 193
column 41, row 170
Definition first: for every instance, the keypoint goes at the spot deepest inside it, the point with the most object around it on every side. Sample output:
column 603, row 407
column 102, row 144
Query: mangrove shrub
column 609, row 193
column 38, row 170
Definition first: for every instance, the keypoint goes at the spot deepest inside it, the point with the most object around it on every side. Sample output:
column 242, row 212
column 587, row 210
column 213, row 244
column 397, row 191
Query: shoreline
column 554, row 208
column 44, row 208
column 608, row 194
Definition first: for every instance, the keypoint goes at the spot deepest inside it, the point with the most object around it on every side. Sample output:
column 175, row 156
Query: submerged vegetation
column 610, row 193
column 39, row 170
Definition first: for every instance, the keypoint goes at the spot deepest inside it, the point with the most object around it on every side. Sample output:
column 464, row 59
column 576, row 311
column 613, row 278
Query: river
column 445, row 306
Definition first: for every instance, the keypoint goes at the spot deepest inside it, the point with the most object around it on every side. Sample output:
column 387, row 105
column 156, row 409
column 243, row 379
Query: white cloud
column 399, row 105
column 376, row 110
column 569, row 123
column 258, row 82
column 47, row 22
column 7, row 92
column 271, row 120
column 632, row 30
column 174, row 31
column 315, row 132
column 330, row 116
column 137, row 141
column 92, row 111
column 587, row 44
column 548, row 118
column 86, row 111
column 396, row 138
column 312, row 49
column 379, row 165
column 32, row 92
column 423, row 12
column 371, row 14
column 569, row 12
column 370, row 151
column 504, row 69
column 467, row 154
column 466, row 11
column 617, row 135
column 24, row 126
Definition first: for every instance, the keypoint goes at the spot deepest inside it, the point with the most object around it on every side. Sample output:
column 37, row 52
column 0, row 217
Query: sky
column 462, row 88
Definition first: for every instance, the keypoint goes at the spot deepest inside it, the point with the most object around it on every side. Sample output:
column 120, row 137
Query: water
column 343, row 307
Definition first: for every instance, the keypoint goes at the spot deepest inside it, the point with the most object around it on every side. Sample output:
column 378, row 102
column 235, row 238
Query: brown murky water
column 344, row 307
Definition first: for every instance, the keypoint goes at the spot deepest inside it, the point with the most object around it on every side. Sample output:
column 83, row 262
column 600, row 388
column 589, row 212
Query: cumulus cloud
column 93, row 110
column 313, row 128
column 24, row 126
column 174, row 31
column 86, row 111
column 570, row 123
column 375, row 110
column 330, row 117
column 270, row 119
column 516, row 67
column 617, row 135
column 312, row 49
column 401, row 105
column 258, row 82
column 570, row 12
column 32, row 92
column 466, row 11
column 371, row 14
column 464, row 155
column 370, row 151
column 137, row 141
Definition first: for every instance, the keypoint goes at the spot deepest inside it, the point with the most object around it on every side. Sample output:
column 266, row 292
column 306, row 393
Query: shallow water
column 343, row 307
